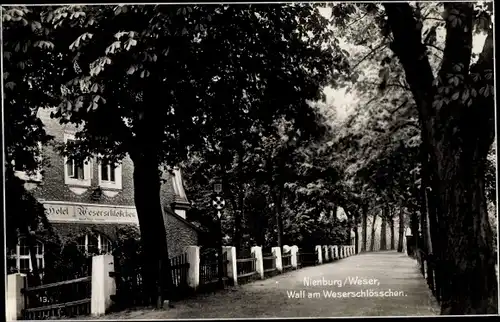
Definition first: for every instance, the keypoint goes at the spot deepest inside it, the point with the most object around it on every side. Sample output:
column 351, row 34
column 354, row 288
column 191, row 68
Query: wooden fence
column 209, row 266
column 429, row 270
column 269, row 263
column 307, row 258
column 286, row 260
column 179, row 267
column 62, row 299
column 246, row 267
column 130, row 287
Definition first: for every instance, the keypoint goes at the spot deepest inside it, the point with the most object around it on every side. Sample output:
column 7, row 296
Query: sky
column 345, row 102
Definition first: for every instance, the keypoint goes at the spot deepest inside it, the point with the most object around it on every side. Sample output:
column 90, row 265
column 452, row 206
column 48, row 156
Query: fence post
column 342, row 249
column 294, row 251
column 319, row 253
column 276, row 251
column 259, row 263
column 103, row 285
column 335, row 252
column 327, row 256
column 15, row 297
column 193, row 258
column 232, row 269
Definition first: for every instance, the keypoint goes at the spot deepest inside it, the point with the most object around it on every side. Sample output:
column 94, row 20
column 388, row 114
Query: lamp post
column 218, row 202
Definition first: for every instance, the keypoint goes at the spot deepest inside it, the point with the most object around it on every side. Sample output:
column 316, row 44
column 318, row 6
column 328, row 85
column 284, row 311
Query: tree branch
column 435, row 47
column 387, row 85
column 399, row 107
column 407, row 45
column 356, row 21
column 382, row 45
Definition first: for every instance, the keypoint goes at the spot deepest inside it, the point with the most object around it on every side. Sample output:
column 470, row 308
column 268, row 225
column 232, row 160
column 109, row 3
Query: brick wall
column 180, row 235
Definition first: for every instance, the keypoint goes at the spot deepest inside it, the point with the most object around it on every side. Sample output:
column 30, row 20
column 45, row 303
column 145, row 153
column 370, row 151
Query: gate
column 68, row 298
column 209, row 266
column 130, row 288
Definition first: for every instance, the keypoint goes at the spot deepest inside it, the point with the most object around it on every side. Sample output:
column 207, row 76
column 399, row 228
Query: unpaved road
column 404, row 293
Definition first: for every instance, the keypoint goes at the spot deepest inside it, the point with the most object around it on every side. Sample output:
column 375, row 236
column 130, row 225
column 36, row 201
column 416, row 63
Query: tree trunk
column 279, row 218
column 356, row 239
column 383, row 229
column 365, row 228
column 372, row 246
column 393, row 233
column 458, row 135
column 401, row 230
column 240, row 204
column 157, row 274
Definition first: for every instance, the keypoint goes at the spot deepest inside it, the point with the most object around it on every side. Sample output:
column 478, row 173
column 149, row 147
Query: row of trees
column 442, row 90
column 194, row 85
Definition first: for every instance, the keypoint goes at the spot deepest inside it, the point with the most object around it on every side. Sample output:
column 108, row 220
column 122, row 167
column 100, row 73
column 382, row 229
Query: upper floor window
column 110, row 175
column 76, row 172
column 108, row 171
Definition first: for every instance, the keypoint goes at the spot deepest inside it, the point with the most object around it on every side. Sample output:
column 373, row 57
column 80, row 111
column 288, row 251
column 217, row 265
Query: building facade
column 93, row 200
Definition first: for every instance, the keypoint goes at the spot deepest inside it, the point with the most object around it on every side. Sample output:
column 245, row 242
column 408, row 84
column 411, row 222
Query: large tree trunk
column 401, row 230
column 372, row 245
column 383, row 229
column 157, row 277
column 365, row 228
column 458, row 135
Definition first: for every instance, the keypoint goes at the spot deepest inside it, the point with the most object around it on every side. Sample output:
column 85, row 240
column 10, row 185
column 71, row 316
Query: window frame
column 106, row 184
column 87, row 168
column 100, row 239
column 18, row 257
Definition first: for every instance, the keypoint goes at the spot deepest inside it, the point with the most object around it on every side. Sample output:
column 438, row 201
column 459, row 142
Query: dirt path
column 404, row 293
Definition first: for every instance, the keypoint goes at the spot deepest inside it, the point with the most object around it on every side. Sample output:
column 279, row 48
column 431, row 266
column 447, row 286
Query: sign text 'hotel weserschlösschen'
column 90, row 213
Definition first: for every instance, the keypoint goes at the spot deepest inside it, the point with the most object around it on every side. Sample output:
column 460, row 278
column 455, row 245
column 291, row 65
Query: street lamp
column 218, row 203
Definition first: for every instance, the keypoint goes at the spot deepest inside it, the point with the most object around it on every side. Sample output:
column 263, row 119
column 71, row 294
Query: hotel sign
column 90, row 213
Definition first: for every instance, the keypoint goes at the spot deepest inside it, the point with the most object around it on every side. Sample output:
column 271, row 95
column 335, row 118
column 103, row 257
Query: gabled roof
column 178, row 185
column 190, row 224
